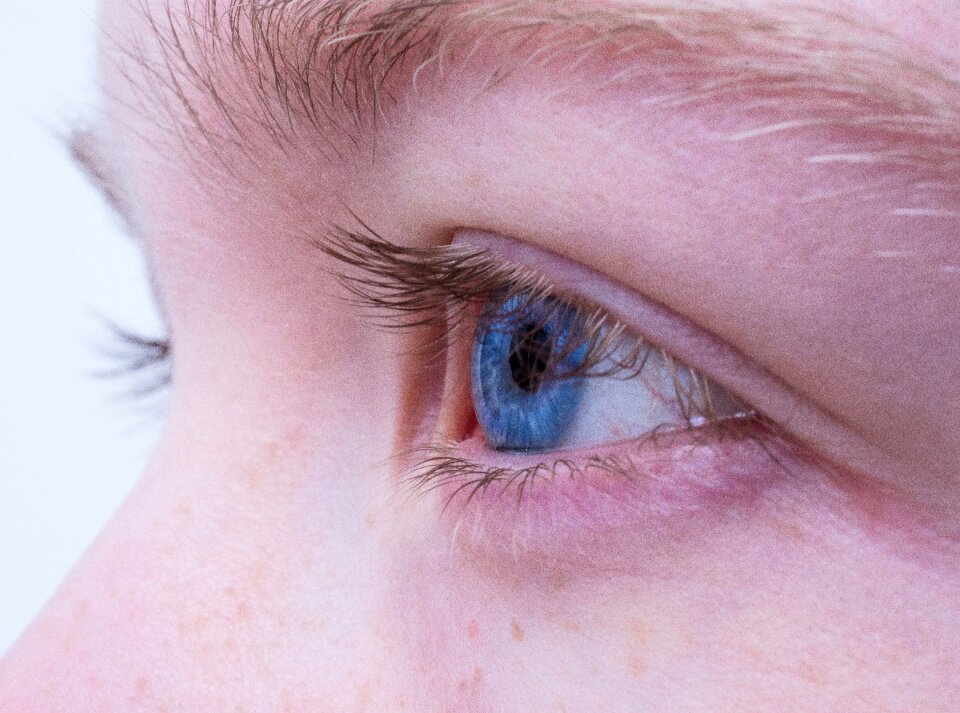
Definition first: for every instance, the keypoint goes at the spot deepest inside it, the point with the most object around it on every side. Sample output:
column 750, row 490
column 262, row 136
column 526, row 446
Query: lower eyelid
column 584, row 508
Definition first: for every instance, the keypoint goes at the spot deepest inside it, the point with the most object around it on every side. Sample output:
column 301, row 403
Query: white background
column 71, row 446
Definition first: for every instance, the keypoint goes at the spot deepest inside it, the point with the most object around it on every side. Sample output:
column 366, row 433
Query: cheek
column 222, row 586
column 794, row 597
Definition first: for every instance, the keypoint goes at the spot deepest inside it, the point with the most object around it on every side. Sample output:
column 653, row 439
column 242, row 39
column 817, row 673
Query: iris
column 523, row 364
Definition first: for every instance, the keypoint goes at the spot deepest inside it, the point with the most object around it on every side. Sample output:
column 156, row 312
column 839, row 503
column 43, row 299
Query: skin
column 263, row 563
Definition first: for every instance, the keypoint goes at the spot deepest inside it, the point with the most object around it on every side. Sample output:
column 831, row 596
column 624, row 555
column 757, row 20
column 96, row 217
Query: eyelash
column 145, row 362
column 412, row 288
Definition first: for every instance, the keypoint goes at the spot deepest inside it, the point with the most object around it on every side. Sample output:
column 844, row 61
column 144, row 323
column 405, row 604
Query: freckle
column 638, row 666
column 638, row 631
column 474, row 180
column 813, row 673
column 792, row 531
column 253, row 476
column 639, row 635
column 272, row 451
column 142, row 687
column 259, row 573
column 200, row 623
column 295, row 436
column 370, row 520
column 516, row 631
column 313, row 626
column 364, row 697
column 243, row 612
column 473, row 629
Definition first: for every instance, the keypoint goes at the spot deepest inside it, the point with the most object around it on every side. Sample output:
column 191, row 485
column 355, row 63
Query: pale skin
column 264, row 562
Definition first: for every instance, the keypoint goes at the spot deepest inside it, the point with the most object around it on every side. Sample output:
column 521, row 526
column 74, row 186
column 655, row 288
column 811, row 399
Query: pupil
column 530, row 351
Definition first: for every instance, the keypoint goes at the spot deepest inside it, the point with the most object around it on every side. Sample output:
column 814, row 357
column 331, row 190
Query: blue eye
column 542, row 380
column 520, row 354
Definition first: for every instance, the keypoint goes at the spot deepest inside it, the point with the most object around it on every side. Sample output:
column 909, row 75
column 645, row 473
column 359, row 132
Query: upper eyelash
column 147, row 360
column 410, row 287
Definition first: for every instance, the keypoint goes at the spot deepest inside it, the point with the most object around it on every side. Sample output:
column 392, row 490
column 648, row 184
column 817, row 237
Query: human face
column 765, row 192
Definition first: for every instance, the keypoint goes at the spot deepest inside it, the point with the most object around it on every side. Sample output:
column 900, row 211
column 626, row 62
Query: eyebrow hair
column 219, row 68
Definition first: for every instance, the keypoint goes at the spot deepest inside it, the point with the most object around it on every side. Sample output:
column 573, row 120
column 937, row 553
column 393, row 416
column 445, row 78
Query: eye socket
column 455, row 300
column 547, row 375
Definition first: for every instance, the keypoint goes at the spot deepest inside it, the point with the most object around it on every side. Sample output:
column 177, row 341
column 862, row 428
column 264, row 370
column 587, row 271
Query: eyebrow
column 341, row 67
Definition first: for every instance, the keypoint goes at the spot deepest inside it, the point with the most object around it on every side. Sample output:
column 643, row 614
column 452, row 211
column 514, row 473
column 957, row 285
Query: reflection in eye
column 545, row 376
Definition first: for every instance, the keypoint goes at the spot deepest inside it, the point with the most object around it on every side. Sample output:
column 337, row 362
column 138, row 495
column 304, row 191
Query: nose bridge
column 207, row 586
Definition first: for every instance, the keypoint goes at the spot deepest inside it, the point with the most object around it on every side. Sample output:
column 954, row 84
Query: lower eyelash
column 441, row 467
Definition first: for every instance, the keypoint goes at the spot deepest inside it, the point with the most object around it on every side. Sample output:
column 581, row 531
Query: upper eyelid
column 404, row 286
column 90, row 150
